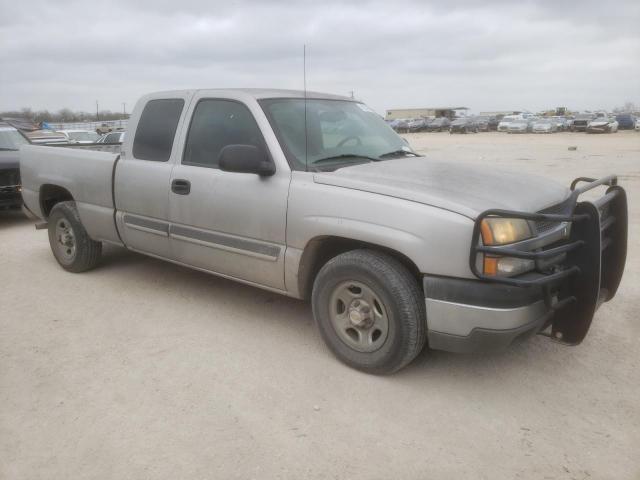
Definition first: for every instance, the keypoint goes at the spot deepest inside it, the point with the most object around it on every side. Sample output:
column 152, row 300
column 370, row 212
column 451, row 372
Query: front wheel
column 370, row 311
column 70, row 243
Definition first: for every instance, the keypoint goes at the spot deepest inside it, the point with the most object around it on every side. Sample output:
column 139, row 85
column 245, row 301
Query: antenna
column 304, row 82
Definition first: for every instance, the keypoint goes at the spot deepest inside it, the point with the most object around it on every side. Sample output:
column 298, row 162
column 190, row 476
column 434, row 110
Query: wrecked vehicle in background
column 580, row 122
column 602, row 125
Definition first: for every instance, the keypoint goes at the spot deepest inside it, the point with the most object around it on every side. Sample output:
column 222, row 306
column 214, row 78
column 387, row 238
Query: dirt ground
column 145, row 370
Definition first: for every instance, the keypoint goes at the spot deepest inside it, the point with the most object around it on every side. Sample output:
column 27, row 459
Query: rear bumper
column 574, row 274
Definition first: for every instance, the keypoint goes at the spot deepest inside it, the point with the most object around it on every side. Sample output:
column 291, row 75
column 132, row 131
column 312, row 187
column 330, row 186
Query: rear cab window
column 156, row 129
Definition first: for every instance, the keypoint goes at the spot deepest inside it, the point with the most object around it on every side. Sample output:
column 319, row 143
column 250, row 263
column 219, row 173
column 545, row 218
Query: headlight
column 502, row 231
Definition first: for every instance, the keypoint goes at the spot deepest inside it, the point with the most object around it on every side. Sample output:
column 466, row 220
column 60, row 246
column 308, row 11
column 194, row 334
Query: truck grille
column 559, row 209
column 9, row 177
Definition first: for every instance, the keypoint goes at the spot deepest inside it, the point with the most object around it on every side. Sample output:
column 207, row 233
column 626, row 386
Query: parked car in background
column 493, row 122
column 637, row 126
column 113, row 137
column 10, row 189
column 562, row 123
column 400, row 125
column 104, row 128
column 416, row 125
column 463, row 125
column 602, row 125
column 545, row 125
column 503, row 126
column 378, row 239
column 626, row 121
column 482, row 123
column 45, row 137
column 581, row 121
column 80, row 136
column 33, row 132
column 522, row 125
column 440, row 124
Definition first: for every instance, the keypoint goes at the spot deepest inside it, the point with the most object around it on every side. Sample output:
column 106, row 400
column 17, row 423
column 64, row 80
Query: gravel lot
column 142, row 369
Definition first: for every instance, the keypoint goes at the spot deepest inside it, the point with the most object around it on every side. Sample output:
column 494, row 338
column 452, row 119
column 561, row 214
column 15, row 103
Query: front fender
column 434, row 239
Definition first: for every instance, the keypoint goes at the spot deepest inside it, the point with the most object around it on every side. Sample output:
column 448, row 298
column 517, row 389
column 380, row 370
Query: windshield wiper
column 395, row 153
column 344, row 155
column 4, row 149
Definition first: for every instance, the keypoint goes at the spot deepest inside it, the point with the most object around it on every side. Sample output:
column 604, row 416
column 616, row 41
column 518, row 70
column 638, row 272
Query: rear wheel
column 72, row 247
column 370, row 311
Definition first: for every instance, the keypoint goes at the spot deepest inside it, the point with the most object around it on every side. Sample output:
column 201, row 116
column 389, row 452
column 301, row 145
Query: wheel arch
column 319, row 250
column 50, row 195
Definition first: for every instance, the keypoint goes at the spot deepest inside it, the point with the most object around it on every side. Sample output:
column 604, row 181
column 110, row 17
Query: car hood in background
column 9, row 159
column 599, row 123
column 465, row 189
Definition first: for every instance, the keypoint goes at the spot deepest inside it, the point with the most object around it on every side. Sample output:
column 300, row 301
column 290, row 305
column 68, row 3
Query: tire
column 72, row 247
column 359, row 276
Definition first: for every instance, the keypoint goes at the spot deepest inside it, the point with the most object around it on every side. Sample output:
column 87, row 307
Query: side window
column 216, row 124
column 156, row 129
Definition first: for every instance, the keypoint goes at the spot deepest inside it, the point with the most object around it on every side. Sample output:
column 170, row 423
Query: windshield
column 343, row 131
column 83, row 136
column 11, row 139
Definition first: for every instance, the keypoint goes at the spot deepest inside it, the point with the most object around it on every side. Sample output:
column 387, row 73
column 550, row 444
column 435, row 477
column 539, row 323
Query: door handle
column 181, row 187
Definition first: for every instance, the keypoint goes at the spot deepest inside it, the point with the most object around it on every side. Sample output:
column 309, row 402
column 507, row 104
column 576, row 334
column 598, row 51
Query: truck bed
column 86, row 174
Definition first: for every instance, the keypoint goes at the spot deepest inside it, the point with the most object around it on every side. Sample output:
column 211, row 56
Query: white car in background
column 602, row 125
column 503, row 126
column 545, row 125
column 80, row 136
column 521, row 125
column 113, row 137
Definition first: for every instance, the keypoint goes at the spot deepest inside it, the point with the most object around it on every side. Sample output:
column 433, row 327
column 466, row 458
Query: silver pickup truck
column 314, row 196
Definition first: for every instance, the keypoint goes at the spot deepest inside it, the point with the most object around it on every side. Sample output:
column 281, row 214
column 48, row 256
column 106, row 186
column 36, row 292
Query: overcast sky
column 487, row 55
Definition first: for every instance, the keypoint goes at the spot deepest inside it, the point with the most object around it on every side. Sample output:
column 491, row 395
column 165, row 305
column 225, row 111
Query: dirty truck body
column 394, row 250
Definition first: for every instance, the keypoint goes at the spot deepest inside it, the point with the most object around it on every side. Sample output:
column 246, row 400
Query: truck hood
column 464, row 189
column 9, row 159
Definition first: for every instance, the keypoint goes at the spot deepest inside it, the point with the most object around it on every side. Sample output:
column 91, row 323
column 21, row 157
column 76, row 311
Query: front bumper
column 467, row 316
column 598, row 129
column 574, row 275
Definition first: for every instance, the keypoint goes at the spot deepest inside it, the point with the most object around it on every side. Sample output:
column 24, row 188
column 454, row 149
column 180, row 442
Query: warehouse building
column 397, row 113
column 501, row 113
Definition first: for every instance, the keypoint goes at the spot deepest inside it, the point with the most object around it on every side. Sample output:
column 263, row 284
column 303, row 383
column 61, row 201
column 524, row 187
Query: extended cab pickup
column 314, row 196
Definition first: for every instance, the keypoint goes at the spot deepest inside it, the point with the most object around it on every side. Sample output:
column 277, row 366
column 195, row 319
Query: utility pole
column 351, row 92
column 97, row 114
column 124, row 110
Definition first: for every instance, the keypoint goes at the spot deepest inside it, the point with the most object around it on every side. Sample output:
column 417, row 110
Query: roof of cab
column 261, row 93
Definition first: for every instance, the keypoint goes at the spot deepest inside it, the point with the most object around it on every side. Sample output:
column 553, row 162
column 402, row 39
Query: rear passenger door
column 143, row 176
column 226, row 222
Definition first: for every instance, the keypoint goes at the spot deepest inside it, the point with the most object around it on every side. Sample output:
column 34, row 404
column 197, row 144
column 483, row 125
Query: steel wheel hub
column 358, row 316
column 65, row 240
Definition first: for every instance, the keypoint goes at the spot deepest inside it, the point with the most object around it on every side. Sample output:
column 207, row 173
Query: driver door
column 228, row 223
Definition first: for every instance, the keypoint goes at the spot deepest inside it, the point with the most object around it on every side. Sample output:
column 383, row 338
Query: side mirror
column 245, row 159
